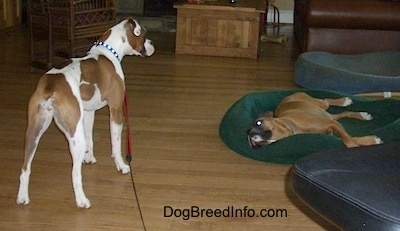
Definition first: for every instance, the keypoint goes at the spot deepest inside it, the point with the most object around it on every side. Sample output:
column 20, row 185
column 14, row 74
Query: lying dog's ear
column 266, row 114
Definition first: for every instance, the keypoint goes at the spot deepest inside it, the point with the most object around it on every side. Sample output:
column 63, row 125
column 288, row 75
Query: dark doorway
column 156, row 8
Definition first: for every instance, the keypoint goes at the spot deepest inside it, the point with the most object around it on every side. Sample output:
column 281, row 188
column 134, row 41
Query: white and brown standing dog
column 300, row 113
column 71, row 94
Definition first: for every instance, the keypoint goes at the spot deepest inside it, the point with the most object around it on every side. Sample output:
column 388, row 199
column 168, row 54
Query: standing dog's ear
column 137, row 31
column 135, row 27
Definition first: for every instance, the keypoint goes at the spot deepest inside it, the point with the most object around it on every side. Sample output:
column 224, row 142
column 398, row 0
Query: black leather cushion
column 356, row 188
column 351, row 74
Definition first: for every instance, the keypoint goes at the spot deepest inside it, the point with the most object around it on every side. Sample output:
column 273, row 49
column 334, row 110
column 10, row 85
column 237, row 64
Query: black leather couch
column 355, row 188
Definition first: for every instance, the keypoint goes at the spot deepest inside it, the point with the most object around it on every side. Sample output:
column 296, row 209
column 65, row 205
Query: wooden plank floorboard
column 176, row 104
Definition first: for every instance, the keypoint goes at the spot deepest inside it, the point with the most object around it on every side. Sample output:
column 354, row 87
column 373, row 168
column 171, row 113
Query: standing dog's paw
column 124, row 169
column 83, row 203
column 89, row 158
column 23, row 195
column 121, row 166
column 23, row 200
column 347, row 102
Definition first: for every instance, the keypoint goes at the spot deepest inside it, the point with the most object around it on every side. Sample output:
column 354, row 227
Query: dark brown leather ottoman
column 347, row 26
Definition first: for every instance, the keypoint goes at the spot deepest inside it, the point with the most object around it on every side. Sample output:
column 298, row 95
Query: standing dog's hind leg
column 71, row 123
column 37, row 125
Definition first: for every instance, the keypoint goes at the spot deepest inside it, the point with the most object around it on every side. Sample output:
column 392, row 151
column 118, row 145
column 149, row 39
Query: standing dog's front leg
column 88, row 121
column 116, row 125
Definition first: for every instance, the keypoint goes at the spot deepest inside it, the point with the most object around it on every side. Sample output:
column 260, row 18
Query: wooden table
column 219, row 28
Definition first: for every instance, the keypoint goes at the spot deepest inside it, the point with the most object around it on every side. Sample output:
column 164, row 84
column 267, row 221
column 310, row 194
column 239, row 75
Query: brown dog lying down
column 300, row 113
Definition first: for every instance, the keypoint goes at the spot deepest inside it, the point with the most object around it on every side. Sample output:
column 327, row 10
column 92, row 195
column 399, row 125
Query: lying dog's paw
column 378, row 140
column 347, row 102
column 366, row 116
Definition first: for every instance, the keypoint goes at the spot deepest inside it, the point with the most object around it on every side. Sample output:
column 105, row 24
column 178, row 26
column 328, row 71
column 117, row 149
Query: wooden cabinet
column 10, row 14
column 219, row 28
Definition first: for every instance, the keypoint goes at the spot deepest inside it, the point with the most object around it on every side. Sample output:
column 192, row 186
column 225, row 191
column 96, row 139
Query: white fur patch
column 149, row 47
column 366, row 115
column 378, row 140
column 257, row 138
column 347, row 102
column 23, row 195
column 116, row 130
column 137, row 29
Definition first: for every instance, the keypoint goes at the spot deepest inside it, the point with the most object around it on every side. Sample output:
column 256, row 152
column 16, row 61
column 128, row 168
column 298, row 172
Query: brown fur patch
column 102, row 73
column 105, row 36
column 65, row 104
column 87, row 91
column 89, row 77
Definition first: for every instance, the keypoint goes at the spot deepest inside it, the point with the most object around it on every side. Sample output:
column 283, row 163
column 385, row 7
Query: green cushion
column 237, row 120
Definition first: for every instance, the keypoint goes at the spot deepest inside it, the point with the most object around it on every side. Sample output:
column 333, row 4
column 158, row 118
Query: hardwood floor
column 176, row 104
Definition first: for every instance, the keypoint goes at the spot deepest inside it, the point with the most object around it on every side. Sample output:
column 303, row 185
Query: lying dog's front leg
column 116, row 130
column 88, row 121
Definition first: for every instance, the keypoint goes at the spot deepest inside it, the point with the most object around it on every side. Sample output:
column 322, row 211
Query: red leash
column 128, row 156
column 128, row 148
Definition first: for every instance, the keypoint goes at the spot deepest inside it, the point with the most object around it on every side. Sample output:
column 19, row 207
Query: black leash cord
column 129, row 159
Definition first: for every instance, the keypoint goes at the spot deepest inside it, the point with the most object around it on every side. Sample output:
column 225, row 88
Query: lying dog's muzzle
column 253, row 144
column 258, row 138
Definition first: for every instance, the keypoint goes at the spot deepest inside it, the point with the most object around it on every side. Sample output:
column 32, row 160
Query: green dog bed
column 237, row 120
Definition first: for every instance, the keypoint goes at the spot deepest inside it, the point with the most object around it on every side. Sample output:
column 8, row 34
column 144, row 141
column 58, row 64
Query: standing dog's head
column 137, row 39
column 128, row 38
column 266, row 130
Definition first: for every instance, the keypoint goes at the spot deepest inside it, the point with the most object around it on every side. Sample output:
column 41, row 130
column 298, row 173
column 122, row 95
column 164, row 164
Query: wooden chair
column 39, row 34
column 76, row 24
column 275, row 14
